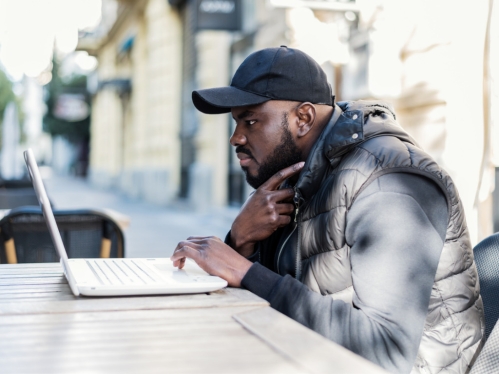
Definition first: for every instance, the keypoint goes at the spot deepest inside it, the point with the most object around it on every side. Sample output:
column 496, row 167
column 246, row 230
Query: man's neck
column 324, row 115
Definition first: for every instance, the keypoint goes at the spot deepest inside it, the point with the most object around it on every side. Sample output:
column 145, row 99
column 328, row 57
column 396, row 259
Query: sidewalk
column 153, row 231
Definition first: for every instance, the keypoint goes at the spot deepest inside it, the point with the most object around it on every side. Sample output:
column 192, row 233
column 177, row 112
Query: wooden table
column 45, row 329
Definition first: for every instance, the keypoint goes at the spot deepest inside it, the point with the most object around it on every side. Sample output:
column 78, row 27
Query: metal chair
column 487, row 361
column 487, row 262
column 24, row 236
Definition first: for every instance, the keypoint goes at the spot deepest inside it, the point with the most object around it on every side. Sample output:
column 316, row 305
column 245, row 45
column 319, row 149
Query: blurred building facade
column 135, row 117
column 148, row 141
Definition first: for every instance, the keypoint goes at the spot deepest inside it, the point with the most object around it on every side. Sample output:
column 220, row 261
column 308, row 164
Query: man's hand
column 264, row 212
column 213, row 256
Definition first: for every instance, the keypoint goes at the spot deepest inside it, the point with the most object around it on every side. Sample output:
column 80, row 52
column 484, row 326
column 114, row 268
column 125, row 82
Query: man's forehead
column 268, row 106
column 244, row 111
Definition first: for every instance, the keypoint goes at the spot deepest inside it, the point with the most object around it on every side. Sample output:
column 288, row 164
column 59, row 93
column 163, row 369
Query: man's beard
column 285, row 154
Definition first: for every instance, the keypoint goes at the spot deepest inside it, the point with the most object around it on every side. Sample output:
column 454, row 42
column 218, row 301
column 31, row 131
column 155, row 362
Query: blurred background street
column 152, row 231
column 101, row 91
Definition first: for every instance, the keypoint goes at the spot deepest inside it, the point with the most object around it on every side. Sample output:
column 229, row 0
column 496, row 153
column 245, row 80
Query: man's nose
column 238, row 138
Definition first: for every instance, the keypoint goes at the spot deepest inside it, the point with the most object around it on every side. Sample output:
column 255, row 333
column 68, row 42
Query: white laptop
column 120, row 276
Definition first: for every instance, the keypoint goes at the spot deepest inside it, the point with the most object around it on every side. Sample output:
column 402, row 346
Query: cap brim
column 222, row 99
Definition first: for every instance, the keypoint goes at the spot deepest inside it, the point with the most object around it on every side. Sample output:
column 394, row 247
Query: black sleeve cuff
column 261, row 281
column 227, row 239
column 253, row 258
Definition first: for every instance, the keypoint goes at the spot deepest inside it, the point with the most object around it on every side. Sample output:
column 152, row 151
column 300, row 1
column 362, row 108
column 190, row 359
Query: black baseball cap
column 269, row 74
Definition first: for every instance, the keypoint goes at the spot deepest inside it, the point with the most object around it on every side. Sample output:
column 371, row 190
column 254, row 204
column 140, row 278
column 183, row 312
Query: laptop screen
column 36, row 179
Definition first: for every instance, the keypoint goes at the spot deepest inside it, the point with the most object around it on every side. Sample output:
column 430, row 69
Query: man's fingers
column 283, row 221
column 201, row 237
column 188, row 243
column 179, row 263
column 283, row 195
column 201, row 240
column 288, row 199
column 284, row 209
column 279, row 177
column 181, row 252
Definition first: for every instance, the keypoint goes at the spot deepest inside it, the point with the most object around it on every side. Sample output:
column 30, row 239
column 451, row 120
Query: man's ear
column 306, row 116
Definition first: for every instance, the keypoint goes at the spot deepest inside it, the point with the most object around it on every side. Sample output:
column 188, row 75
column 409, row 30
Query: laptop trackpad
column 190, row 272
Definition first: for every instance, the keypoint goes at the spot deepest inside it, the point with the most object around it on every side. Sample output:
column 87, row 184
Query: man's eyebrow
column 244, row 114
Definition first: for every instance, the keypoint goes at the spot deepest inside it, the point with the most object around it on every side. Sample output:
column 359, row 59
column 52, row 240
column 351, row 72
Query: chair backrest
column 487, row 262
column 487, row 361
column 85, row 233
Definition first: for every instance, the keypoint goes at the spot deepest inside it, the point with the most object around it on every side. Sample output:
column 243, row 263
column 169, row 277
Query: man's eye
column 251, row 122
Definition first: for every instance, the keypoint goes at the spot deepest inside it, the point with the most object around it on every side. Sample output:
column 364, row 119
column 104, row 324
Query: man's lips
column 244, row 159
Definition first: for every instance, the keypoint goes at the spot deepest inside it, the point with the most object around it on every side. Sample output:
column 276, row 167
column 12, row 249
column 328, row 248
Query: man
column 365, row 242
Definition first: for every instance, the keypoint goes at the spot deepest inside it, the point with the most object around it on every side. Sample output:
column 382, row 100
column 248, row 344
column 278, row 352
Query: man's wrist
column 261, row 281
column 242, row 247
column 241, row 271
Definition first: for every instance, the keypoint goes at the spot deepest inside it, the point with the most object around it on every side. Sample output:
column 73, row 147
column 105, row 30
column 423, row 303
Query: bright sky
column 29, row 30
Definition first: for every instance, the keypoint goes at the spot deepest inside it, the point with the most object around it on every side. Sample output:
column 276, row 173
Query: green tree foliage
column 6, row 93
column 73, row 131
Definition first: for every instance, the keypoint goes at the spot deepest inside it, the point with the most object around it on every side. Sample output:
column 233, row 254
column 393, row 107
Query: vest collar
column 351, row 124
column 316, row 163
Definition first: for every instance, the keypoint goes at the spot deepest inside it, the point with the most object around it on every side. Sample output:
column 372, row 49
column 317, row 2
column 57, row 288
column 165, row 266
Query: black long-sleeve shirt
column 396, row 230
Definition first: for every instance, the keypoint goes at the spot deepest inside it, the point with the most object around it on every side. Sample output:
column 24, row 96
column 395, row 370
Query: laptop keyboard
column 122, row 272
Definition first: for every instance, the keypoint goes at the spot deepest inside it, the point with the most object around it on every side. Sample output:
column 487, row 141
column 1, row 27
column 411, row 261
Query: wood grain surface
column 312, row 352
column 45, row 329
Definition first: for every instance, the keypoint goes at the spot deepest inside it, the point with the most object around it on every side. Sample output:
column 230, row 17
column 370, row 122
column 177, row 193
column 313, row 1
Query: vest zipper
column 282, row 247
column 297, row 200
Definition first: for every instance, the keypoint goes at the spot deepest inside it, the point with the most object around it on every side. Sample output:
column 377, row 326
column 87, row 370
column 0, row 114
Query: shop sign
column 218, row 15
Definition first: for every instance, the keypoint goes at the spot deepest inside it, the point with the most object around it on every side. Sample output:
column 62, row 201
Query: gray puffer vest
column 362, row 142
